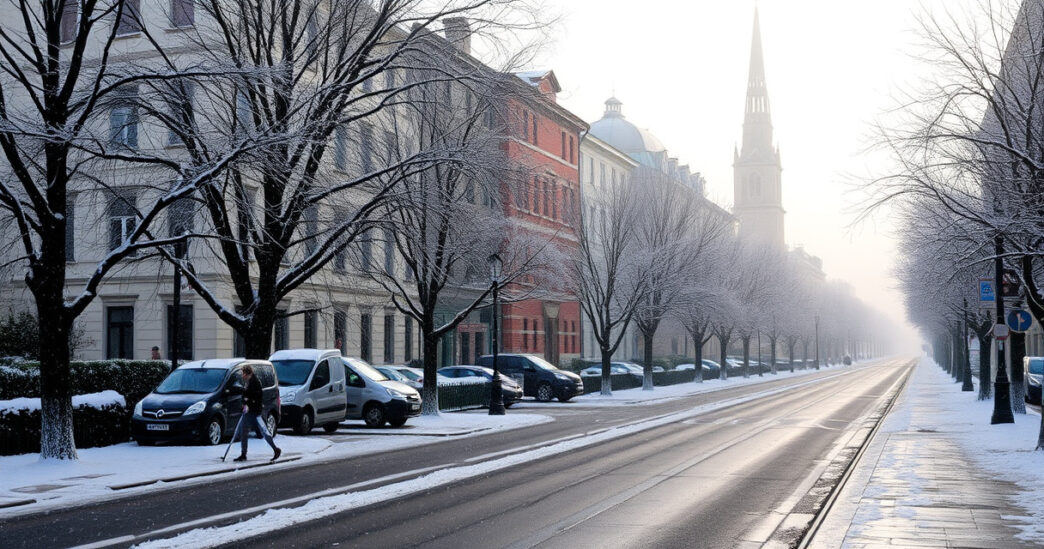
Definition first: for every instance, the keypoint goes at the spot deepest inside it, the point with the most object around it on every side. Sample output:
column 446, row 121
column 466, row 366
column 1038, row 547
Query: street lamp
column 817, row 342
column 496, row 391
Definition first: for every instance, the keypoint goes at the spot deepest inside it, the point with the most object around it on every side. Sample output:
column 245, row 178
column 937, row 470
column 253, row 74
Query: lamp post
column 761, row 368
column 817, row 342
column 496, row 390
column 1001, row 386
column 180, row 250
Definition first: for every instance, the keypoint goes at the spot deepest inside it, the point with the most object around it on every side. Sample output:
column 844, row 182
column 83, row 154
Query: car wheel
column 146, row 442
column 214, row 432
column 271, row 423
column 545, row 393
column 331, row 427
column 397, row 422
column 304, row 425
column 508, row 404
column 374, row 415
column 564, row 398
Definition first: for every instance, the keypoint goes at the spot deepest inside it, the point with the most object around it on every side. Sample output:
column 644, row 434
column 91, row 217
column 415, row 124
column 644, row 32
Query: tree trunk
column 430, row 390
column 647, row 381
column 985, row 387
column 56, row 412
column 772, row 355
column 1018, row 380
column 804, row 355
column 697, row 338
column 607, row 377
column 791, row 343
column 257, row 336
column 746, row 356
column 722, row 372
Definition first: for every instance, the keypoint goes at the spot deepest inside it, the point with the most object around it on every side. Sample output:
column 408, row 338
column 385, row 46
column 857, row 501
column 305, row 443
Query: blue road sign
column 1019, row 320
column 986, row 292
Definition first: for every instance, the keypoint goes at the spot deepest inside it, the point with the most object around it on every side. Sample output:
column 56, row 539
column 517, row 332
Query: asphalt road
column 709, row 479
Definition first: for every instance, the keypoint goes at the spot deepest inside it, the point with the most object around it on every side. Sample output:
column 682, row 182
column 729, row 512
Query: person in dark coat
column 252, row 406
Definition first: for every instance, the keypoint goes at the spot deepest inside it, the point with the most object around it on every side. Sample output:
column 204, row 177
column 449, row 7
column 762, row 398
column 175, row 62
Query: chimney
column 458, row 32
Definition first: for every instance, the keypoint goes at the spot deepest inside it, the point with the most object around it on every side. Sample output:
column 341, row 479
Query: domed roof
column 637, row 143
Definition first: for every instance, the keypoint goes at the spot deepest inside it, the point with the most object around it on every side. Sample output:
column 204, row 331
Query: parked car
column 393, row 374
column 711, row 369
column 510, row 389
column 1033, row 368
column 196, row 402
column 415, row 376
column 311, row 388
column 376, row 399
column 541, row 379
column 615, row 368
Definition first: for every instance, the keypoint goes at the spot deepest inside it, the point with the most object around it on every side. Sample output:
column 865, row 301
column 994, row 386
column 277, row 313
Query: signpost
column 1000, row 332
column 987, row 296
column 1019, row 320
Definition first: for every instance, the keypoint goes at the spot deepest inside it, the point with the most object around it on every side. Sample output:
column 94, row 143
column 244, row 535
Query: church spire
column 757, row 120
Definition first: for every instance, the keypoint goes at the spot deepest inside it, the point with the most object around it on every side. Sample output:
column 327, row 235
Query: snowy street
column 744, row 451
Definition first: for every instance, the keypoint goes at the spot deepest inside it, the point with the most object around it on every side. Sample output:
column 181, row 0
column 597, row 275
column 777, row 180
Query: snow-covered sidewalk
column 102, row 472
column 938, row 474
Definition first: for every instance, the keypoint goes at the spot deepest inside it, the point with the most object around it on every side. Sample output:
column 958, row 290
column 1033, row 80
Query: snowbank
column 93, row 400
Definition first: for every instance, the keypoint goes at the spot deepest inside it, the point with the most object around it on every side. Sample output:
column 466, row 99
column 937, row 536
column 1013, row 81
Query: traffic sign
column 986, row 293
column 1000, row 331
column 1019, row 320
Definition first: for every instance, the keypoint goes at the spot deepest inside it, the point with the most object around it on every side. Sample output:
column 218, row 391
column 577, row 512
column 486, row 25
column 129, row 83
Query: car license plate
column 157, row 427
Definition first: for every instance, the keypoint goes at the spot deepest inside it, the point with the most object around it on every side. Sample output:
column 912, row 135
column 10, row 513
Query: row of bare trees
column 276, row 137
column 659, row 251
column 968, row 146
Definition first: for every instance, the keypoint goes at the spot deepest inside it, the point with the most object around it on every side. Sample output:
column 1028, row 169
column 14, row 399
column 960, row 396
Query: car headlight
column 137, row 408
column 289, row 396
column 196, row 408
column 563, row 377
column 395, row 394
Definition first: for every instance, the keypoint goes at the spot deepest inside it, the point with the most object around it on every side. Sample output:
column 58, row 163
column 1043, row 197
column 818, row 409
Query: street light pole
column 817, row 342
column 1001, row 387
column 496, row 389
column 761, row 368
column 967, row 381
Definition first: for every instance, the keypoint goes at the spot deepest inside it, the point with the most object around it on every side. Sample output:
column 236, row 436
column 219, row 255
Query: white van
column 376, row 399
column 311, row 388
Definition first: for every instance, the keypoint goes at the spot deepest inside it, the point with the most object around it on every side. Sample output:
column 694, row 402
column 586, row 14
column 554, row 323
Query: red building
column 544, row 138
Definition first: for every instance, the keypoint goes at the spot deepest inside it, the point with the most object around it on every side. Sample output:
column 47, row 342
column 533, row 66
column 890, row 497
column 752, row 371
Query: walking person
column 252, row 415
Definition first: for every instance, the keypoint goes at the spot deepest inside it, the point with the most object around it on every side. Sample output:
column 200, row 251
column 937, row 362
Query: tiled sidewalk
column 915, row 488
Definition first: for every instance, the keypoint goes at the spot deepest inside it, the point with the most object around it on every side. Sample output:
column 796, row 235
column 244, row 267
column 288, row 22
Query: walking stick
column 237, row 431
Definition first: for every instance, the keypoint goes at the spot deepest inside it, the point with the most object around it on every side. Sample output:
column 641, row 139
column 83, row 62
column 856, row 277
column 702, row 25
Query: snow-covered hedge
column 593, row 384
column 131, row 378
column 99, row 419
column 461, row 396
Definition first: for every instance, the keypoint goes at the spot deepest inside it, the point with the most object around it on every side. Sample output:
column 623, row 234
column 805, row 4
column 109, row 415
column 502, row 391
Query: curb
column 116, row 487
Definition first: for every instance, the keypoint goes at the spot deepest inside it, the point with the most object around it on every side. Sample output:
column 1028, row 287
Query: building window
column 525, row 124
column 601, row 175
column 179, row 222
column 123, row 120
column 465, row 348
column 480, row 344
column 182, row 13
column 119, row 330
column 366, row 252
column 572, row 156
column 525, row 334
column 181, row 112
column 366, row 148
column 245, row 213
column 70, row 227
column 184, row 331
column 282, row 330
column 341, row 331
column 536, row 328
column 554, row 200
column 123, row 219
column 408, row 340
column 389, row 338
column 547, row 197
column 573, row 334
column 311, row 228
column 244, row 114
column 130, row 19
column 563, row 146
column 70, row 23
column 365, row 327
column 311, row 326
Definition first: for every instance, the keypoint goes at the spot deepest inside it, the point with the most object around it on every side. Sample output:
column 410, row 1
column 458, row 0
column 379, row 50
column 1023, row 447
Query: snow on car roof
column 215, row 363
column 303, row 354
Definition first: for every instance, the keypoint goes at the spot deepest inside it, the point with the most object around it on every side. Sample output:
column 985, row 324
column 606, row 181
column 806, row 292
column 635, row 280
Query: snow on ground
column 1004, row 451
column 637, row 396
column 94, row 400
column 56, row 483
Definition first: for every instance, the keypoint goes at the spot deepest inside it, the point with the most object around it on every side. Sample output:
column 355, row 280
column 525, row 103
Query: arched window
column 754, row 185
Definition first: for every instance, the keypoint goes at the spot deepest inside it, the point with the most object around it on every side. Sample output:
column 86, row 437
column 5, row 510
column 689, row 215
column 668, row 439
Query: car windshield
column 541, row 363
column 409, row 374
column 391, row 374
column 293, row 372
column 192, row 380
column 1036, row 366
column 364, row 369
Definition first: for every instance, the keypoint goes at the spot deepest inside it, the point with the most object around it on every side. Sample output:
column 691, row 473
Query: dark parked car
column 195, row 403
column 1033, row 368
column 510, row 389
column 540, row 378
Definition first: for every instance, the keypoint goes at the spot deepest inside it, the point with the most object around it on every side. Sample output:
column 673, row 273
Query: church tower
column 757, row 170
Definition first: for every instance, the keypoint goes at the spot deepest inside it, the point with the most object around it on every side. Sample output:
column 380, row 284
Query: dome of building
column 637, row 143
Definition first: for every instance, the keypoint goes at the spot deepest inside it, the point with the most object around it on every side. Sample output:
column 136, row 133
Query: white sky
column 832, row 66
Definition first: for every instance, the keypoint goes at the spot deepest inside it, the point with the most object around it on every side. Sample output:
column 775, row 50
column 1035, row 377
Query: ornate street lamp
column 496, row 390
column 817, row 342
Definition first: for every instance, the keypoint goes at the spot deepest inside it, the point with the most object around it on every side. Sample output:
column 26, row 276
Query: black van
column 539, row 378
column 194, row 402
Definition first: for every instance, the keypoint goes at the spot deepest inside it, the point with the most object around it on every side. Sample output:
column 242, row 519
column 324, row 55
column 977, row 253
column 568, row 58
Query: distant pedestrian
column 155, row 353
column 252, row 406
